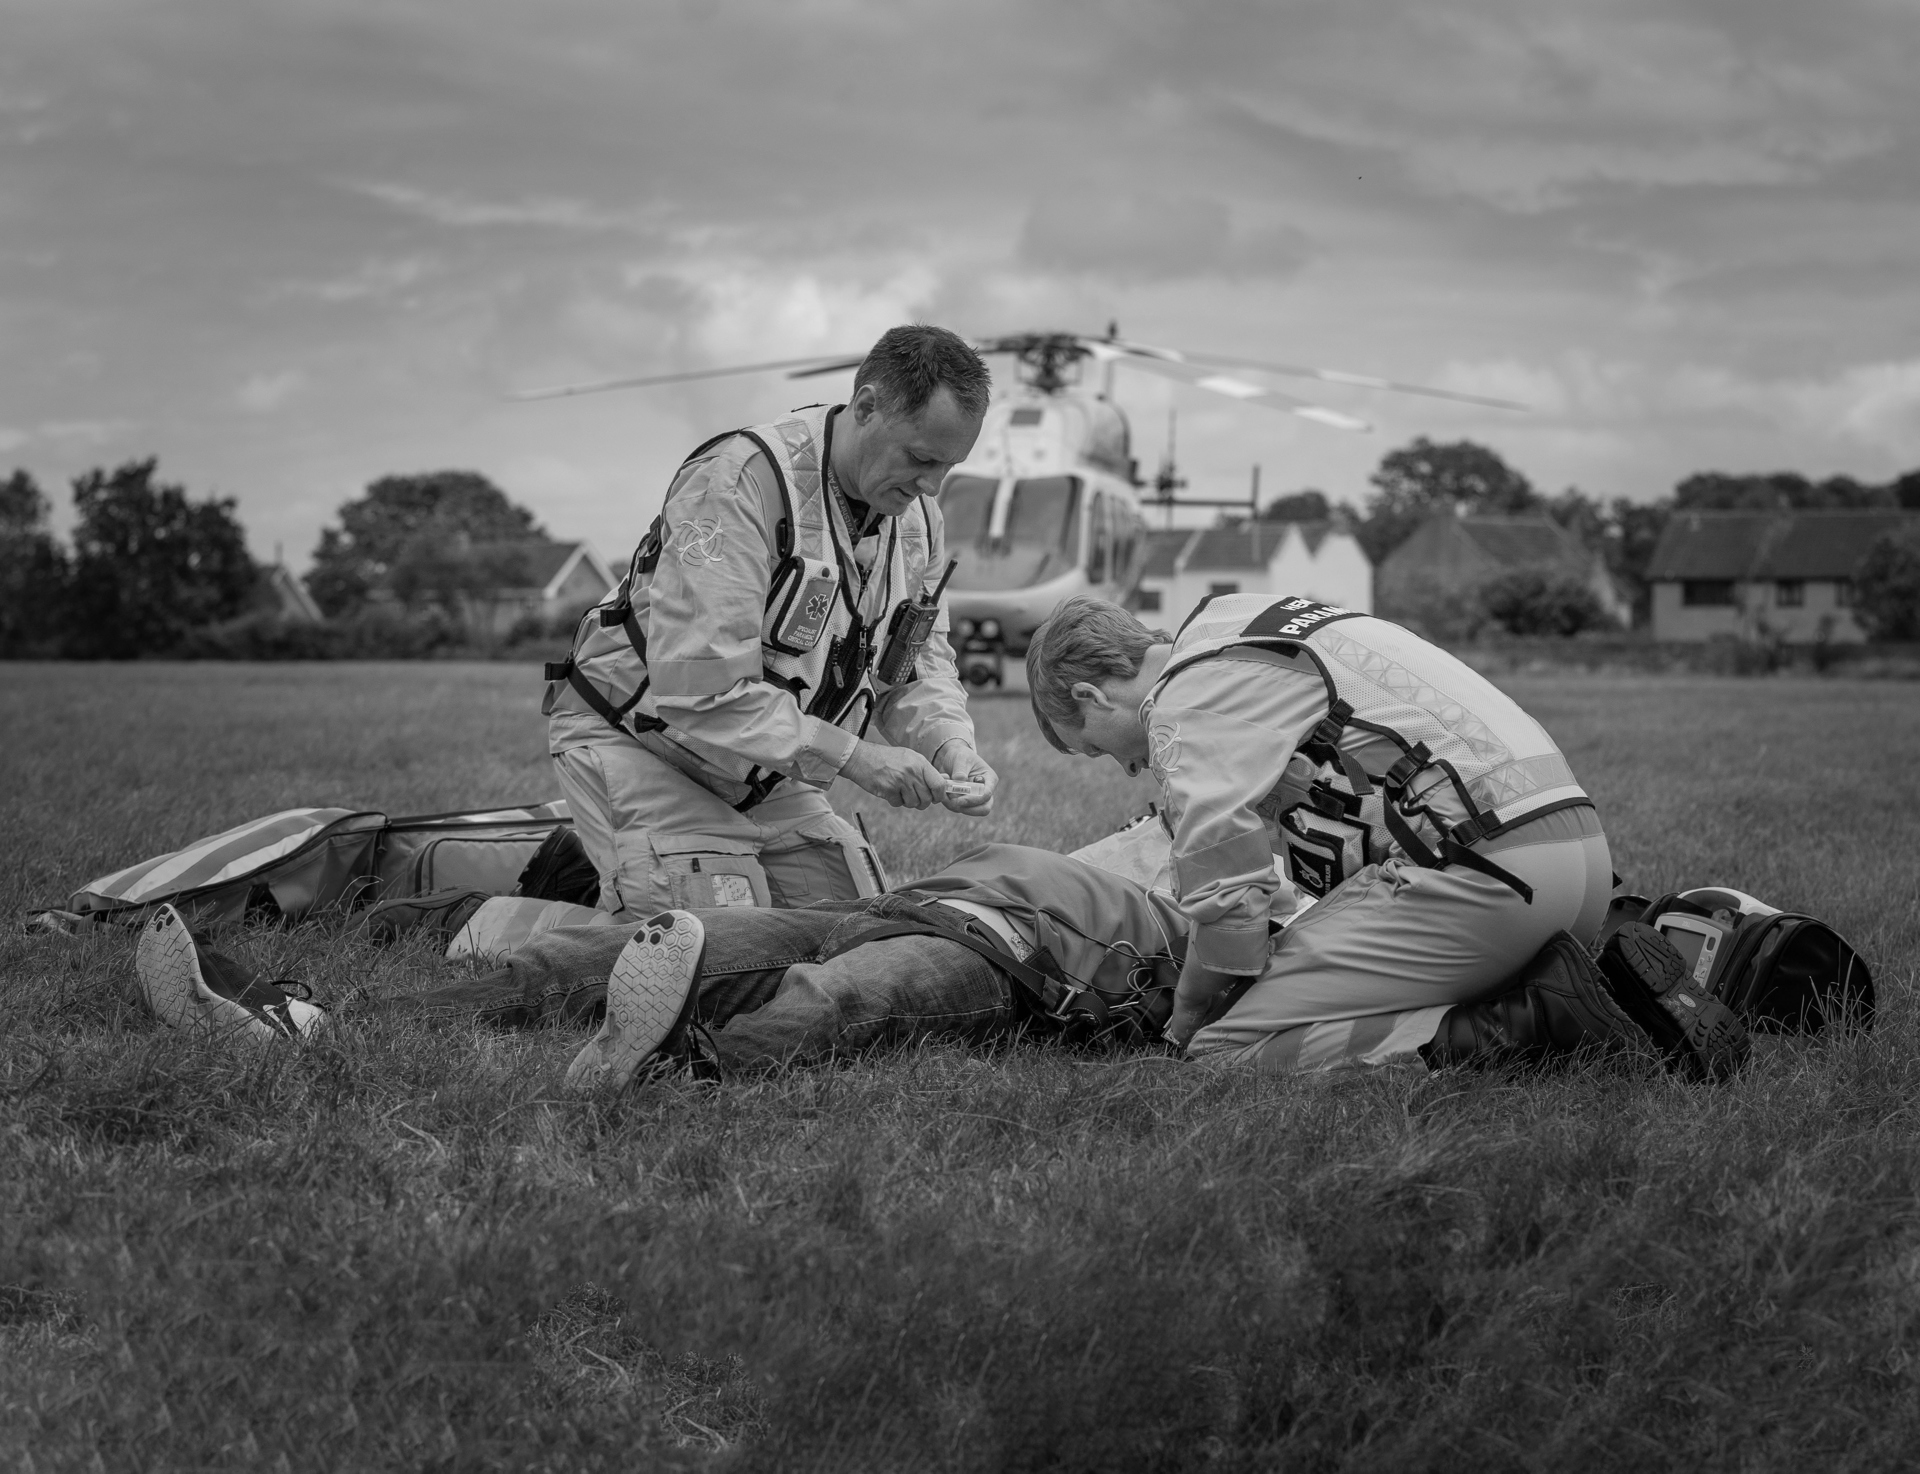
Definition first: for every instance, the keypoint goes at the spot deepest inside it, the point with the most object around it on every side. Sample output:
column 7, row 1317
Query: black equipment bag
column 1782, row 972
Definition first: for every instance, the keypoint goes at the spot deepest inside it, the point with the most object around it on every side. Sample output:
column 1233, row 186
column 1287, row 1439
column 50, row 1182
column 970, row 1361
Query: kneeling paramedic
column 1440, row 834
column 786, row 599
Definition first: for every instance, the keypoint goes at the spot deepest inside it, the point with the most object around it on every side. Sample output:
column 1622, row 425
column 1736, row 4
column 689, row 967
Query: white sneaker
column 650, row 996
column 193, row 987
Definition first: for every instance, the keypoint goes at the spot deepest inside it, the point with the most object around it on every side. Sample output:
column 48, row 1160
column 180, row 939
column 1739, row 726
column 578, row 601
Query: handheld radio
column 909, row 629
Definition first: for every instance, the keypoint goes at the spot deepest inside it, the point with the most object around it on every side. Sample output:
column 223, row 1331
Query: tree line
column 149, row 570
column 1422, row 478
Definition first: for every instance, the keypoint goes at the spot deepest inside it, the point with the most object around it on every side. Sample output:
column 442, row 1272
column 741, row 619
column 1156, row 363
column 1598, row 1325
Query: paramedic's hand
column 1195, row 999
column 902, row 777
column 958, row 760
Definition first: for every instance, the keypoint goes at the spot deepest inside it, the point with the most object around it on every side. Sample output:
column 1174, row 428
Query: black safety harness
column 1045, row 994
column 848, row 656
column 1278, row 628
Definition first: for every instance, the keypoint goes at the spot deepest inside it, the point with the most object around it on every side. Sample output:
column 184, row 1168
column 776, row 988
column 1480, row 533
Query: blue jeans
column 776, row 987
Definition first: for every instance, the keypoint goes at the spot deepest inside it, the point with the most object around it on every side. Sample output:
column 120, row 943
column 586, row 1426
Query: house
column 540, row 580
column 1759, row 575
column 1449, row 556
column 276, row 591
column 1314, row 560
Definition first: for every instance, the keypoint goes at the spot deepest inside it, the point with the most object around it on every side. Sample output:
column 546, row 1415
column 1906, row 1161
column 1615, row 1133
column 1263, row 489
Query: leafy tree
column 1419, row 479
column 1886, row 586
column 1715, row 491
column 438, row 568
column 1533, row 601
column 148, row 564
column 409, row 535
column 33, row 570
column 1906, row 491
column 1298, row 506
column 1580, row 514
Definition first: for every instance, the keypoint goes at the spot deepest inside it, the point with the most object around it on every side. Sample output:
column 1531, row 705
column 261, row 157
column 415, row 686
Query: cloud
column 1149, row 237
column 1873, row 405
column 85, row 432
column 264, row 392
column 1877, row 404
column 372, row 279
column 553, row 212
column 1524, row 108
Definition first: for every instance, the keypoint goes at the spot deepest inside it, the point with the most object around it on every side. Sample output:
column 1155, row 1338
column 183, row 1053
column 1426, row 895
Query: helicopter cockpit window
column 1042, row 513
column 966, row 502
column 1041, row 535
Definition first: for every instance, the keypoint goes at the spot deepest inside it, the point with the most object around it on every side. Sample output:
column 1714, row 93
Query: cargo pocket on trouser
column 825, row 859
column 694, row 872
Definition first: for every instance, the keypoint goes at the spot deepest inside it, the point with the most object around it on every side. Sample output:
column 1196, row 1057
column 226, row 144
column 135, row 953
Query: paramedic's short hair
column 1084, row 639
column 909, row 363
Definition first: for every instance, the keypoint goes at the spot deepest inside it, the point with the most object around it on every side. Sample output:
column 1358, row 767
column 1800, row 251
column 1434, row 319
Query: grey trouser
column 1366, row 975
column 659, row 839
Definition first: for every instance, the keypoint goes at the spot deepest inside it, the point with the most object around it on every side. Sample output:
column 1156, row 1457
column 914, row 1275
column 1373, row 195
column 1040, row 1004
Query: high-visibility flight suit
column 1299, row 745
column 712, row 697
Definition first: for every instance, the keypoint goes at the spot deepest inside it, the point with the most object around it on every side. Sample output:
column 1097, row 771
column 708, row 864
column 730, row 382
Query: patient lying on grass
column 1006, row 936
column 1003, row 938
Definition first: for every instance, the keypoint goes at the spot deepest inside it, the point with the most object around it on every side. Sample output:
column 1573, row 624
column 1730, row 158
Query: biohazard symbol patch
column 699, row 542
column 1163, row 749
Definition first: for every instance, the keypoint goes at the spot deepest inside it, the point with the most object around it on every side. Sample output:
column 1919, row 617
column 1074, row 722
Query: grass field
column 407, row 1248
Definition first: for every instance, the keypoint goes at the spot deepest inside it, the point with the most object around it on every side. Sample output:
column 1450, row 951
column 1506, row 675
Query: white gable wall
column 1337, row 572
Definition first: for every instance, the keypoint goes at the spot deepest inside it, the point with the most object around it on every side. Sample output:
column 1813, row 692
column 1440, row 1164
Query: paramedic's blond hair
column 1084, row 639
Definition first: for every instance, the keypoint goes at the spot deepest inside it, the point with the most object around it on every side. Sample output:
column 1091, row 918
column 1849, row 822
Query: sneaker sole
column 1700, row 1035
column 167, row 962
column 649, row 992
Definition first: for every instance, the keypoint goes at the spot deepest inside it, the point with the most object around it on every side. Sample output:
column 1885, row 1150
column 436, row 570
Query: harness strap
column 1049, row 995
column 1452, row 851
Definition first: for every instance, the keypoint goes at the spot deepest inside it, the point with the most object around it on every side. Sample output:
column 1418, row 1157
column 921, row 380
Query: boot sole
column 167, row 962
column 650, row 991
column 1648, row 978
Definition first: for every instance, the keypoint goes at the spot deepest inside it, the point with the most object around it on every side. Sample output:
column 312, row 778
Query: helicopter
column 1051, row 502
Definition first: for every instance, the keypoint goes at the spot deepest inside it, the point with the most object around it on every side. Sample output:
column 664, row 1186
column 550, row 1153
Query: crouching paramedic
column 784, row 604
column 1297, row 745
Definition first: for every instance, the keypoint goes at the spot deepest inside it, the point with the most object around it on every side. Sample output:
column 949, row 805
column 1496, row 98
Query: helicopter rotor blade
column 1324, row 375
column 1164, row 364
column 599, row 386
column 1362, row 381
column 839, row 365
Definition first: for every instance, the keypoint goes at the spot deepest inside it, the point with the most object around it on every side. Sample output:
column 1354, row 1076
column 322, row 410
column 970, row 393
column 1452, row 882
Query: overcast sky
column 291, row 245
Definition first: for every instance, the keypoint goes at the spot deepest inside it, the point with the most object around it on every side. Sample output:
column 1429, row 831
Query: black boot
column 1699, row 1035
column 1558, row 1004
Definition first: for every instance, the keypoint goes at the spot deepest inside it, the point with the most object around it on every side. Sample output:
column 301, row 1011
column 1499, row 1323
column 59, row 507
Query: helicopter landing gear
column 982, row 668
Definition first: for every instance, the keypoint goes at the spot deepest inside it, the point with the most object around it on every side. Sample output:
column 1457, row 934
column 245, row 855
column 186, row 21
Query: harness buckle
column 1327, row 733
column 1402, row 772
column 612, row 614
column 558, row 670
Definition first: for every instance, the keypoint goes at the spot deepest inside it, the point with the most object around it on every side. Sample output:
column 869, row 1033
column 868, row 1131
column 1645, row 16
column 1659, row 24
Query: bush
column 1887, row 587
column 1531, row 601
column 374, row 634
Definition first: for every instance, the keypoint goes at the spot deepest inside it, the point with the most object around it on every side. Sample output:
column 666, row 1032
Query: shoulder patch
column 697, row 541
